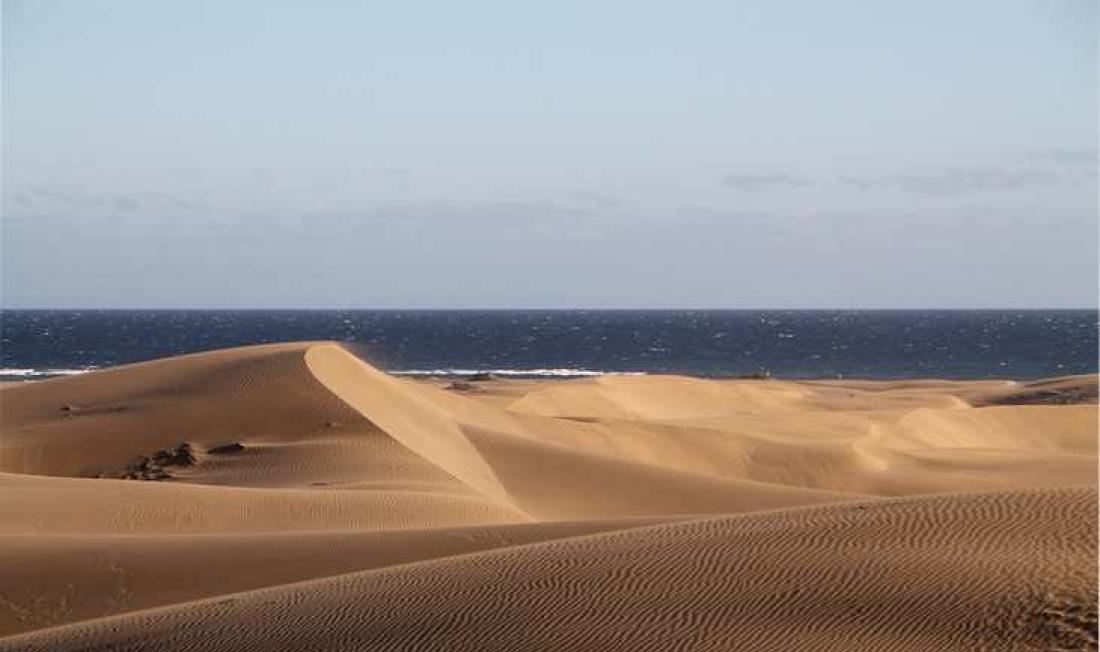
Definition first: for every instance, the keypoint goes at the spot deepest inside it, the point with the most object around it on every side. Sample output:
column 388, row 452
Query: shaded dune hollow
column 292, row 496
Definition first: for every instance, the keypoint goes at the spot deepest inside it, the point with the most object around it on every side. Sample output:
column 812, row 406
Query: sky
column 767, row 154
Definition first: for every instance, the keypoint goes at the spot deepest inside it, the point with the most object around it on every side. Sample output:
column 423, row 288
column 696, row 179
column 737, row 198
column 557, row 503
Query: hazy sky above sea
column 559, row 154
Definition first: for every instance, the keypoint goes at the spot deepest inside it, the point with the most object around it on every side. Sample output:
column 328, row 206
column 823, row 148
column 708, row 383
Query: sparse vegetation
column 153, row 467
column 226, row 449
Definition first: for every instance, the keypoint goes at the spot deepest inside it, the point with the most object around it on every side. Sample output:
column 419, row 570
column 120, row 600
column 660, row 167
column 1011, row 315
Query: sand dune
column 1013, row 570
column 305, row 500
column 122, row 573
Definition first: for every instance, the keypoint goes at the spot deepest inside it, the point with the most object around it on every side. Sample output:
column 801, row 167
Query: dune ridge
column 328, row 505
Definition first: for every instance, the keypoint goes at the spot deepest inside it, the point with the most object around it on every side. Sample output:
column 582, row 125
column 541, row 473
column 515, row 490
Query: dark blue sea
column 792, row 344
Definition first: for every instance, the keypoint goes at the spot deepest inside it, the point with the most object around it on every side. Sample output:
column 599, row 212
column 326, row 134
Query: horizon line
column 544, row 309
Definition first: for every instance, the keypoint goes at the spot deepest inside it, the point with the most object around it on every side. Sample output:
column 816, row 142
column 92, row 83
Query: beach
column 292, row 496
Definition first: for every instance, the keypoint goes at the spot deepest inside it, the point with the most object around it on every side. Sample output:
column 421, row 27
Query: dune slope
column 1012, row 570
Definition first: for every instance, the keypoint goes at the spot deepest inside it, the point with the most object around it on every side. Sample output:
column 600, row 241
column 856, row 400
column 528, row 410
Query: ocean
column 534, row 343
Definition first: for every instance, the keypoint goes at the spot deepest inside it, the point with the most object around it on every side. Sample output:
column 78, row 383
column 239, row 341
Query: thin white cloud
column 766, row 181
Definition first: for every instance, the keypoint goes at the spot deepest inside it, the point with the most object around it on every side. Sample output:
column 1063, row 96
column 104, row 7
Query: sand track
column 331, row 506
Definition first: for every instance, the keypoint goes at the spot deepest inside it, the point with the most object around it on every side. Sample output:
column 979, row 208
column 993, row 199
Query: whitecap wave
column 522, row 373
column 32, row 374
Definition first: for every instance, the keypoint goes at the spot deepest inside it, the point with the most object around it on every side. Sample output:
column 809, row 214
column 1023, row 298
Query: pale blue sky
column 693, row 154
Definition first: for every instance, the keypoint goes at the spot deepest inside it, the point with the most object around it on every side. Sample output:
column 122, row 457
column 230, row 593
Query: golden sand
column 325, row 505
